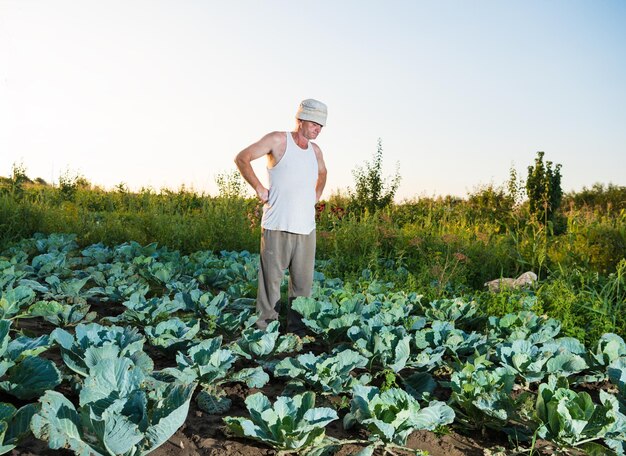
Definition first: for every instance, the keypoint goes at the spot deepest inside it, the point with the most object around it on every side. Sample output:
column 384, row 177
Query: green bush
column 611, row 198
column 559, row 300
column 604, row 246
column 543, row 187
column 372, row 192
column 353, row 245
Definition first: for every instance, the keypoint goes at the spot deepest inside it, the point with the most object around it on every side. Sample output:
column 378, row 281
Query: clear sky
column 159, row 93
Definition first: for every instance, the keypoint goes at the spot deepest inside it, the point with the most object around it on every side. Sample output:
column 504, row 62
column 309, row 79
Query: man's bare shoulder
column 270, row 144
column 316, row 149
column 275, row 138
column 275, row 143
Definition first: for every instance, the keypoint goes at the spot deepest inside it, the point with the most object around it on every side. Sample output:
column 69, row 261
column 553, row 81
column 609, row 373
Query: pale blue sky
column 164, row 93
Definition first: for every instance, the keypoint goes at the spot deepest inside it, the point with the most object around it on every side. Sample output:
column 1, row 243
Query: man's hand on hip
column 263, row 194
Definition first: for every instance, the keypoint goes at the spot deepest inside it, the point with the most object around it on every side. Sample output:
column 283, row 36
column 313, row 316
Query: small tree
column 231, row 185
column 515, row 187
column 543, row 188
column 18, row 179
column 372, row 191
column 69, row 183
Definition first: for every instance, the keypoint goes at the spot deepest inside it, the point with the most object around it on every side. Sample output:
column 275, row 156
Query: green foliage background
column 440, row 247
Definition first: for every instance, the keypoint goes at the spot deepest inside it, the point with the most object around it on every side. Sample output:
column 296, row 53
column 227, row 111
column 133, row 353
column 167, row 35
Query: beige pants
column 281, row 250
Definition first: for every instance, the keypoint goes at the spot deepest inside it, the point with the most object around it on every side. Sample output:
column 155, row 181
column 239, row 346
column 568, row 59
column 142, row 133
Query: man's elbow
column 239, row 160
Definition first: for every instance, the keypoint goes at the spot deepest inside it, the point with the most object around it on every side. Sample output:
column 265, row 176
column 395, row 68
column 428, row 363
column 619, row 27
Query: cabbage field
column 138, row 349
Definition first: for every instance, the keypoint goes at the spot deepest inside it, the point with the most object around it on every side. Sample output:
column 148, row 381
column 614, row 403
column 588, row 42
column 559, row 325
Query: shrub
column 543, row 187
column 372, row 192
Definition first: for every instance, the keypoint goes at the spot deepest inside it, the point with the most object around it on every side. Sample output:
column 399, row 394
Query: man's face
column 310, row 130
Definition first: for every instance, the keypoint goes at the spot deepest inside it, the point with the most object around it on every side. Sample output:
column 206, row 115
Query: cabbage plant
column 331, row 316
column 159, row 272
column 55, row 242
column 117, row 282
column 482, row 395
column 456, row 342
column 327, row 320
column 524, row 325
column 386, row 347
column 325, row 373
column 203, row 303
column 261, row 345
column 209, row 364
column 67, row 290
column 144, row 312
column 217, row 312
column 233, row 272
column 14, row 425
column 92, row 342
column 391, row 416
column 129, row 251
column 172, row 335
column 22, row 373
column 458, row 311
column 13, row 269
column 50, row 263
column 62, row 314
column 524, row 359
column 14, row 302
column 96, row 254
column 571, row 419
column 290, row 424
column 212, row 366
column 568, row 356
column 121, row 411
column 609, row 349
column 229, row 323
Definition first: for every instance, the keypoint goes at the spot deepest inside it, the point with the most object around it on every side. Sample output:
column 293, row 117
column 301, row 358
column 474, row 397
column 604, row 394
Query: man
column 297, row 176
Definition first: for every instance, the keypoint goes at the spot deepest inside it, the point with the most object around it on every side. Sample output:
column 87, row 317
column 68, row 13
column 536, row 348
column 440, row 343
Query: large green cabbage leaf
column 212, row 366
column 93, row 342
column 22, row 373
column 392, row 415
column 569, row 418
column 386, row 347
column 524, row 325
column 172, row 335
column 291, row 423
column 326, row 373
column 15, row 301
column 14, row 425
column 263, row 344
column 121, row 412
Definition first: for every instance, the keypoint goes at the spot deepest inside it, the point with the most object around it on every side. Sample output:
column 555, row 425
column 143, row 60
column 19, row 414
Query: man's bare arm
column 266, row 145
column 321, row 173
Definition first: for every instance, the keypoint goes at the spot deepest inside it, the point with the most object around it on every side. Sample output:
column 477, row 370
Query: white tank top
column 291, row 204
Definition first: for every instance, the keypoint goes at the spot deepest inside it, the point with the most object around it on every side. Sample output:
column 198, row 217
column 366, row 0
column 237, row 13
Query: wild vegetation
column 148, row 299
column 442, row 246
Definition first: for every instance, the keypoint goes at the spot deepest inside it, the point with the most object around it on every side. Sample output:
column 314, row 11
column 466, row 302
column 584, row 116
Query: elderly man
column 297, row 176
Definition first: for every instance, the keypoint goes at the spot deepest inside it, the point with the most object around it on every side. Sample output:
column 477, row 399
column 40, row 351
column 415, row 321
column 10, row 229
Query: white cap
column 312, row 110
